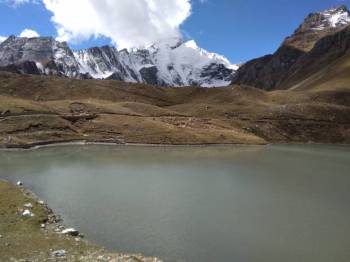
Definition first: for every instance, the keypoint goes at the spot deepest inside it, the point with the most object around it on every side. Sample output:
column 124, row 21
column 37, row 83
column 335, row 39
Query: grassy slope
column 335, row 76
column 49, row 109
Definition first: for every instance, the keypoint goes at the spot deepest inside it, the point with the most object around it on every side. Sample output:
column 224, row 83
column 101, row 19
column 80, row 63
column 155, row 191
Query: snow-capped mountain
column 171, row 62
column 327, row 19
column 317, row 25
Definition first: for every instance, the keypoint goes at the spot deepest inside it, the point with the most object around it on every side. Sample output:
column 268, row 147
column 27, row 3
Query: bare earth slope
column 38, row 110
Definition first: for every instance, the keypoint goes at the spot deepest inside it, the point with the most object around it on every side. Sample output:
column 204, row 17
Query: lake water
column 220, row 203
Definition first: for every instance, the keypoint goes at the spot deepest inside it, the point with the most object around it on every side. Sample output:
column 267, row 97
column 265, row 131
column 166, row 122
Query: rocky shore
column 31, row 231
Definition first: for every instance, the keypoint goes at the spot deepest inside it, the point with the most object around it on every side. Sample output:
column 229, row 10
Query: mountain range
column 171, row 62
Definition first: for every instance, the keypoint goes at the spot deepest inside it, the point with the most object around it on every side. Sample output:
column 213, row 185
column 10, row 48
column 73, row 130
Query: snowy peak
column 317, row 26
column 171, row 62
column 326, row 20
column 336, row 17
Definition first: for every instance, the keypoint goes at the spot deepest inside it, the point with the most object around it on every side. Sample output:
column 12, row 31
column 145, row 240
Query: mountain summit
column 171, row 62
column 318, row 25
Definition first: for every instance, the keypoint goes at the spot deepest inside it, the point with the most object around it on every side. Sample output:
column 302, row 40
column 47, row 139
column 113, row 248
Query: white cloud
column 29, row 33
column 128, row 23
column 2, row 38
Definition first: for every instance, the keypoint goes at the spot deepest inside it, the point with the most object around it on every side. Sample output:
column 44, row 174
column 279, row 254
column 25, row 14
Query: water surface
column 240, row 204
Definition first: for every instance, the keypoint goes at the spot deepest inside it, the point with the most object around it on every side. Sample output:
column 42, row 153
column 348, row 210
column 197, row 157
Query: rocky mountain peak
column 328, row 19
column 317, row 25
column 50, row 56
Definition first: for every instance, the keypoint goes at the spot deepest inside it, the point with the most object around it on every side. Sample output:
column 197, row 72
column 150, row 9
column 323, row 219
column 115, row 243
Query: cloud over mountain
column 128, row 23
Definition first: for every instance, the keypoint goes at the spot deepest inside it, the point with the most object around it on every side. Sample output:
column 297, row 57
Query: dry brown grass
column 50, row 109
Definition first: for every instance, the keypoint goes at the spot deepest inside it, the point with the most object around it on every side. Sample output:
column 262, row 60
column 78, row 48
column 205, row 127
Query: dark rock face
column 269, row 71
column 27, row 67
column 115, row 76
column 318, row 41
column 217, row 72
column 149, row 75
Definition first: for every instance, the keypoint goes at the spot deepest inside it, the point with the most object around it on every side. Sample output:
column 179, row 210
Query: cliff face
column 50, row 57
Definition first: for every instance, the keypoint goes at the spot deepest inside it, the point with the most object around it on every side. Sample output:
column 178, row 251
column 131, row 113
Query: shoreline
column 39, row 145
column 34, row 146
column 45, row 230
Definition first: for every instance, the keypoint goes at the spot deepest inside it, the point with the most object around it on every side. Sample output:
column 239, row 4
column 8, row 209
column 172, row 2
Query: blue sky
column 238, row 29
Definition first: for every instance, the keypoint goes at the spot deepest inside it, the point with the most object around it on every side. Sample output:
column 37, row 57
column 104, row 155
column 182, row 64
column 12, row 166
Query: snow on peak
column 332, row 18
column 191, row 44
column 337, row 16
column 171, row 62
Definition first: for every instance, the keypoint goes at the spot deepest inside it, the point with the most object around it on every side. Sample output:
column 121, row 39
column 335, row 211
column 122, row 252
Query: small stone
column 19, row 183
column 28, row 205
column 41, row 202
column 59, row 253
column 27, row 213
column 71, row 232
column 42, row 225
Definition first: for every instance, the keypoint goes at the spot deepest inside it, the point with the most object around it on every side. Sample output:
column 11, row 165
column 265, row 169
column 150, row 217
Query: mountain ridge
column 171, row 62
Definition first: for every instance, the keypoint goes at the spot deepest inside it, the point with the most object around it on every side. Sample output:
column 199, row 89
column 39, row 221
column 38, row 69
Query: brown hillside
column 42, row 110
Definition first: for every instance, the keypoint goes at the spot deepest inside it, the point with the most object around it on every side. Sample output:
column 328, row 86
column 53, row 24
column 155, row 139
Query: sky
column 238, row 29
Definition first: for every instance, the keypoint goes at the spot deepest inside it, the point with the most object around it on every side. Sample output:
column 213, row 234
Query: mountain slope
column 170, row 62
column 319, row 41
column 38, row 110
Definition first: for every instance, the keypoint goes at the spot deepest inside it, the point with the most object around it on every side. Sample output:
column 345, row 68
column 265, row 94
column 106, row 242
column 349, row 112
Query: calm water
column 239, row 204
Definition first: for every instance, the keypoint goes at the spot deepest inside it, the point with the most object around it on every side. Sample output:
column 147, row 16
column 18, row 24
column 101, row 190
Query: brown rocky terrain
column 37, row 110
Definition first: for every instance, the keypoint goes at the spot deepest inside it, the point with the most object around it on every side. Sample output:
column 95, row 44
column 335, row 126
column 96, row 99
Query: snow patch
column 333, row 18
